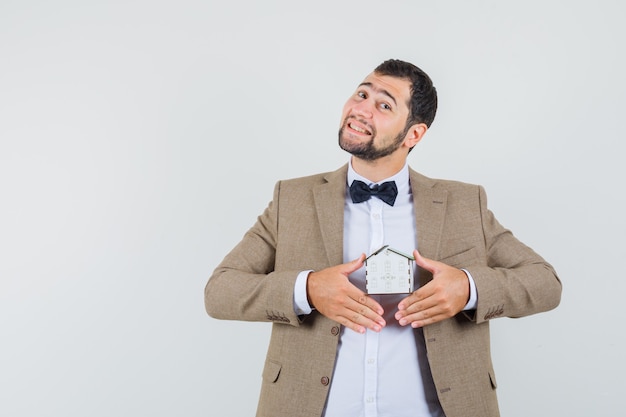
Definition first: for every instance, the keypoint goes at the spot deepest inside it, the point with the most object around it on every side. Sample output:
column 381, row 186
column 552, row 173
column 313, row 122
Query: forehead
column 399, row 89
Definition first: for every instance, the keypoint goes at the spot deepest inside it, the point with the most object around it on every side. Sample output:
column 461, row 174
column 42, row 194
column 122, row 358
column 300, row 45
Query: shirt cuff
column 473, row 299
column 300, row 301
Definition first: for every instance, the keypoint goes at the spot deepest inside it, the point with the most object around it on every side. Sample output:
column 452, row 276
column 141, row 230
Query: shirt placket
column 370, row 387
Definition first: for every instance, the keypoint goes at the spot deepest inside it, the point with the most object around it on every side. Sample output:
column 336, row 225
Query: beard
column 368, row 150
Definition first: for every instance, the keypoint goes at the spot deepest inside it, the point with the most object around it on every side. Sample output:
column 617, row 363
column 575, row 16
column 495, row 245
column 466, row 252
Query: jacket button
column 334, row 331
column 325, row 380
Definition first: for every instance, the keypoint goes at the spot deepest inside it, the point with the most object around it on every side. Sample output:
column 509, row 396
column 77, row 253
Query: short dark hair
column 423, row 102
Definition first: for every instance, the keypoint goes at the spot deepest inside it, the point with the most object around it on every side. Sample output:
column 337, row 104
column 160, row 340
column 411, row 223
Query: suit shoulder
column 315, row 179
column 445, row 184
column 309, row 179
column 458, row 186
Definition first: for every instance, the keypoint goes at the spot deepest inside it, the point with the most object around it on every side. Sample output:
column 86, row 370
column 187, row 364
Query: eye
column 361, row 94
column 385, row 106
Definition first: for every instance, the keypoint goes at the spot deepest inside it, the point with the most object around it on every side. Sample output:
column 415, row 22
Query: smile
column 359, row 129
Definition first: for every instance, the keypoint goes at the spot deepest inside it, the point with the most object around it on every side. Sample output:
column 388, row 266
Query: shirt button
column 334, row 331
column 325, row 380
column 375, row 216
column 370, row 361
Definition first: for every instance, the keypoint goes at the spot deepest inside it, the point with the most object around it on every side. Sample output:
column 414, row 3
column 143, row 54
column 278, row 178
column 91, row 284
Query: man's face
column 374, row 117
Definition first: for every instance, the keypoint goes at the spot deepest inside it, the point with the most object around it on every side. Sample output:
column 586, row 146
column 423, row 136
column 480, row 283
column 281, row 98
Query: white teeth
column 358, row 129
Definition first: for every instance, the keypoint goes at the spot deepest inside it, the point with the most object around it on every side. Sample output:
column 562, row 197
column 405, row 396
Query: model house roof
column 390, row 250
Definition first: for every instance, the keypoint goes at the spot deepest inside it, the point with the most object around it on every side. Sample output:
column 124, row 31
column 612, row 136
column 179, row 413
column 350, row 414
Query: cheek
column 389, row 130
column 397, row 126
column 344, row 114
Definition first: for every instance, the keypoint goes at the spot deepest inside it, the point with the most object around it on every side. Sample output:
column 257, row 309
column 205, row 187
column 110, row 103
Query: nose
column 363, row 109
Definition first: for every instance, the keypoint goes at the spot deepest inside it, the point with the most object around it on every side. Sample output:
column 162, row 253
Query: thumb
column 427, row 264
column 354, row 265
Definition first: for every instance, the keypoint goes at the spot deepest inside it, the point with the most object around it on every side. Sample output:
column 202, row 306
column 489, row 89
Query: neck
column 378, row 169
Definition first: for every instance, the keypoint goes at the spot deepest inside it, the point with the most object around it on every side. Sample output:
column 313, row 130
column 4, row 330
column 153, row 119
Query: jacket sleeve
column 244, row 286
column 514, row 281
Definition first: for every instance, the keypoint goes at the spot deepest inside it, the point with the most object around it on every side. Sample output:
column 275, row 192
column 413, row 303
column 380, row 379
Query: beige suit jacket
column 302, row 229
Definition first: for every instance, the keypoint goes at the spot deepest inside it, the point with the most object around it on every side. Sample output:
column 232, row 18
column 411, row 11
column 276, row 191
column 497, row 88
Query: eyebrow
column 379, row 90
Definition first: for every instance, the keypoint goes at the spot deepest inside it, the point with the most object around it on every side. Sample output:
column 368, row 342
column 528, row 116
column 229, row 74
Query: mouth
column 359, row 128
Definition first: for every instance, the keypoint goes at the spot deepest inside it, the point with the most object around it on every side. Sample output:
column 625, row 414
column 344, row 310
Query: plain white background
column 129, row 128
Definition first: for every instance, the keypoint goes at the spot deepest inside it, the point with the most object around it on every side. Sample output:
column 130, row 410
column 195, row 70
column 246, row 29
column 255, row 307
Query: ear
column 415, row 134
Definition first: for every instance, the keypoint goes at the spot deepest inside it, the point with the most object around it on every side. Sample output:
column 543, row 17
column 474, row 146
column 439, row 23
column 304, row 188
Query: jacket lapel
column 329, row 203
column 430, row 207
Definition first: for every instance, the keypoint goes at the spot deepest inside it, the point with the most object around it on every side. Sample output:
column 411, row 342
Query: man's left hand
column 440, row 299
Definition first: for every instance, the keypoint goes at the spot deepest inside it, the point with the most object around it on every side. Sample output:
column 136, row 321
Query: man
column 336, row 351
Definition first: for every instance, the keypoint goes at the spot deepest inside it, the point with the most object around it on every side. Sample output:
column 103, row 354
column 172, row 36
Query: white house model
column 388, row 271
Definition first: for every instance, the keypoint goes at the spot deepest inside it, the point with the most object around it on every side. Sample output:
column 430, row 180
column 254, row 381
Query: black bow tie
column 360, row 192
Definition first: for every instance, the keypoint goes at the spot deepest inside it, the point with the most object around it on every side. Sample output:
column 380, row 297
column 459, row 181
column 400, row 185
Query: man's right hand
column 333, row 295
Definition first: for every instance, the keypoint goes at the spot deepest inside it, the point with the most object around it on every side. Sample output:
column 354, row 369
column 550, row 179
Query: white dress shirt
column 384, row 374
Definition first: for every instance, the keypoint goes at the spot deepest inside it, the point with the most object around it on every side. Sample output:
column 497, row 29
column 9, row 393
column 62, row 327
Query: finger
column 352, row 323
column 429, row 316
column 427, row 320
column 414, row 305
column 427, row 264
column 421, row 294
column 354, row 265
column 361, row 311
column 423, row 318
column 370, row 303
column 359, row 321
column 369, row 309
column 407, row 301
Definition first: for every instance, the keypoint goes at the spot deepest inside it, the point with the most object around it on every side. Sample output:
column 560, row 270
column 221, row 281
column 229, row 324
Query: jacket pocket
column 271, row 371
column 460, row 260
